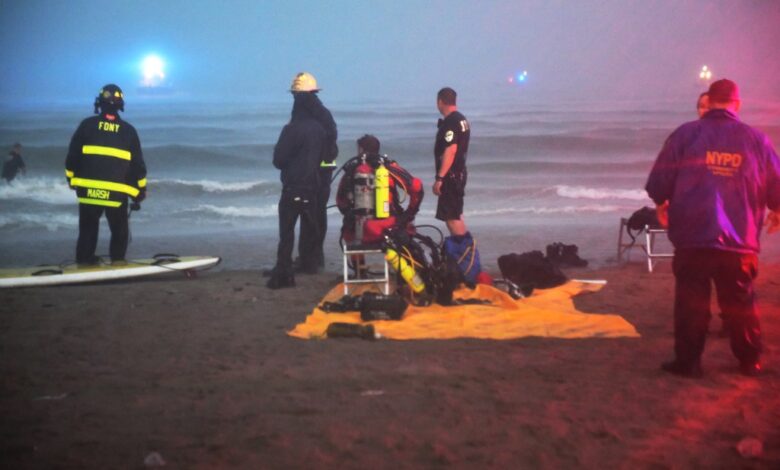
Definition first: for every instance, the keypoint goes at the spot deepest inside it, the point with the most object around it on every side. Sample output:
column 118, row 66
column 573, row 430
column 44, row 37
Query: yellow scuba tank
column 407, row 270
column 382, row 192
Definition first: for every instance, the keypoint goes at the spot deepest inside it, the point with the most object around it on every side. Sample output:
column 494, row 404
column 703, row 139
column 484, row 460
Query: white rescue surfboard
column 73, row 274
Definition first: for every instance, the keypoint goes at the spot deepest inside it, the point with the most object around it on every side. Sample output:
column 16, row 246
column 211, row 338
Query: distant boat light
column 153, row 71
column 705, row 73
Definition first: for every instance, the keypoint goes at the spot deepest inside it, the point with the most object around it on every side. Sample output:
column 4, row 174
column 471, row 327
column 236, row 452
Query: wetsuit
column 453, row 129
column 297, row 154
column 105, row 166
column 12, row 166
column 719, row 176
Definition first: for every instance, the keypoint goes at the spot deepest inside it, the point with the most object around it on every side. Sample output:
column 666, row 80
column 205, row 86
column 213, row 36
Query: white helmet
column 304, row 82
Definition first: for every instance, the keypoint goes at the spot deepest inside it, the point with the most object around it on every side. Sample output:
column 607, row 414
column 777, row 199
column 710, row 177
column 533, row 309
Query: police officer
column 105, row 166
column 452, row 145
column 712, row 182
column 305, row 85
column 298, row 154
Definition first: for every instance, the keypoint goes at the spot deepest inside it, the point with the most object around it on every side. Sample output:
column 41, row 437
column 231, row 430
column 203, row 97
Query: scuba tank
column 364, row 188
column 407, row 270
column 363, row 196
column 382, row 183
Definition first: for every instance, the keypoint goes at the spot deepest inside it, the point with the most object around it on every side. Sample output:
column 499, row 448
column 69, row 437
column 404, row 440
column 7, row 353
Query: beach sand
column 201, row 372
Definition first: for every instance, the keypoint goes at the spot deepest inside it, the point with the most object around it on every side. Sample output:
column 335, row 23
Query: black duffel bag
column 531, row 269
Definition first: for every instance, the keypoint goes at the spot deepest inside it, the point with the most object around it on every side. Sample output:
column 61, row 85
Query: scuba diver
column 368, row 209
column 370, row 198
column 104, row 166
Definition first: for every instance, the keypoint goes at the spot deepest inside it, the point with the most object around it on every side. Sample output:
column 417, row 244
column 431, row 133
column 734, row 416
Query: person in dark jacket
column 105, row 166
column 305, row 87
column 298, row 154
column 712, row 183
column 14, row 164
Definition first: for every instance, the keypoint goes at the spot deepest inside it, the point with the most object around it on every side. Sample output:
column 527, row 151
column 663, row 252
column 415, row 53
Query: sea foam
column 40, row 189
column 212, row 186
column 583, row 192
column 236, row 212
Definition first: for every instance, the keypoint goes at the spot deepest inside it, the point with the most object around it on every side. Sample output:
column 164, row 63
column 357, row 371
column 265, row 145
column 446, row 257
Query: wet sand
column 201, row 372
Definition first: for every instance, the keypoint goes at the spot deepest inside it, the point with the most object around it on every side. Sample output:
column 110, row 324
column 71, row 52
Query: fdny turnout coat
column 105, row 164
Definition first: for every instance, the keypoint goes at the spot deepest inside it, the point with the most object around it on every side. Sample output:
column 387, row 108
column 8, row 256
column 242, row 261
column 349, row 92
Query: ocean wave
column 546, row 210
column 516, row 166
column 253, row 212
column 213, row 186
column 582, row 192
column 52, row 222
column 535, row 210
column 40, row 189
column 567, row 143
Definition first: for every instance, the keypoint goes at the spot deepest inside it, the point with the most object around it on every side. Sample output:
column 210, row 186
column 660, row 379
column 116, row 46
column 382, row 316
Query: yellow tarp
column 547, row 313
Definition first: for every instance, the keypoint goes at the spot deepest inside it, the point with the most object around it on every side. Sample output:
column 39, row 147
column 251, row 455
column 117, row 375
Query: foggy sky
column 400, row 50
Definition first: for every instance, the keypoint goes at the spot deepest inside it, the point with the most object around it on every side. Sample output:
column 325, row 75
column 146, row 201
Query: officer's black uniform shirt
column 453, row 129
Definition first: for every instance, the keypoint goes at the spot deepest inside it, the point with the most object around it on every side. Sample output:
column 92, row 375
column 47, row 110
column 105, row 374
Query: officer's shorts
column 450, row 205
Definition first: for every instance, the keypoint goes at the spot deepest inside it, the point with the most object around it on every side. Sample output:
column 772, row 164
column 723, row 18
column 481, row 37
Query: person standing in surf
column 298, row 153
column 105, row 166
column 14, row 164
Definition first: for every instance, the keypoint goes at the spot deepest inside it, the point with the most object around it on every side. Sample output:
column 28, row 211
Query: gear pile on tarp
column 546, row 313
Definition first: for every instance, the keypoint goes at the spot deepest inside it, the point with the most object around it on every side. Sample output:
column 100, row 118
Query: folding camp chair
column 366, row 251
column 652, row 256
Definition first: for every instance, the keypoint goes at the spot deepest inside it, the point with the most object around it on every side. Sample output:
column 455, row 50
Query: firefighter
column 297, row 154
column 304, row 86
column 105, row 166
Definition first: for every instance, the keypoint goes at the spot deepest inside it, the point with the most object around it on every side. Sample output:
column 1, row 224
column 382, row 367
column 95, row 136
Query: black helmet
column 110, row 99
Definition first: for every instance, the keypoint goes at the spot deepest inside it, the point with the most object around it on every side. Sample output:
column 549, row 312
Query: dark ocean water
column 537, row 174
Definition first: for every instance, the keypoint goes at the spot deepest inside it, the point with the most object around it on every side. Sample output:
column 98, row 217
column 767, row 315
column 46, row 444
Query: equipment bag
column 645, row 216
column 463, row 250
column 530, row 269
column 382, row 307
column 372, row 306
column 561, row 254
